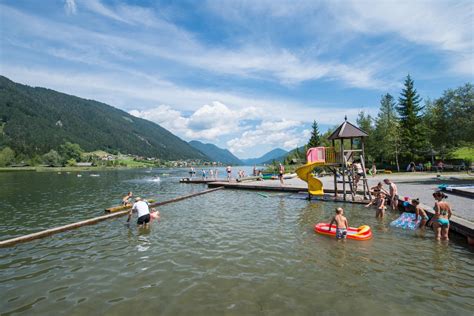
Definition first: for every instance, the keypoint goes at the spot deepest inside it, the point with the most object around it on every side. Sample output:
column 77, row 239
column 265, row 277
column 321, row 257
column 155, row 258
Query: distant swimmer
column 126, row 199
column 143, row 212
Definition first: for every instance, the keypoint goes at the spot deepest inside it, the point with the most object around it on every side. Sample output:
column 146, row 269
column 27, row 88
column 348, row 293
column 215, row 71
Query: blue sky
column 245, row 75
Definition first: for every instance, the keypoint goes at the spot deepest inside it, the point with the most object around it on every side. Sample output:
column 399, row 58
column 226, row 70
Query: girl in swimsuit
column 442, row 215
column 420, row 213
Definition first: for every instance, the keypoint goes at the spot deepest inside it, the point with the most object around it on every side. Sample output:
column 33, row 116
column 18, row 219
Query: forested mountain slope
column 36, row 120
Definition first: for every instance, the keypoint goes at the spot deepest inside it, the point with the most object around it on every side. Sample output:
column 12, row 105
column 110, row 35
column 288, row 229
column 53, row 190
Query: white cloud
column 253, row 60
column 443, row 25
column 209, row 122
column 271, row 133
column 70, row 6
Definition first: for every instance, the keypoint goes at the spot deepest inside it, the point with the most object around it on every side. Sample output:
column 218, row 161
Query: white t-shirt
column 141, row 207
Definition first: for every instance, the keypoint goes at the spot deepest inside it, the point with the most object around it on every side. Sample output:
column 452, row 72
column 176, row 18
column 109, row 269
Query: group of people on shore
column 442, row 209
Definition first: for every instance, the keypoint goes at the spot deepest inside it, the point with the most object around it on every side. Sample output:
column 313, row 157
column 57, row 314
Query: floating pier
column 95, row 220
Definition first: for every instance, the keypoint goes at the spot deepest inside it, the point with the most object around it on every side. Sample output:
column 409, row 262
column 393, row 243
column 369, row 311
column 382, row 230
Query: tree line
column 410, row 129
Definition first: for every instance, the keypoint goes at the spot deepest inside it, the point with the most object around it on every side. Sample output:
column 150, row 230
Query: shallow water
column 227, row 252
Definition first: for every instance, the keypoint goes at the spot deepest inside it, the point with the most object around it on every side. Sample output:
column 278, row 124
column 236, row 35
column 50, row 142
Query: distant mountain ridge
column 215, row 153
column 36, row 120
column 277, row 154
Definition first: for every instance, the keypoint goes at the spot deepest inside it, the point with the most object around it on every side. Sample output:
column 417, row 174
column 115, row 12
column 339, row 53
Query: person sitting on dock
column 341, row 223
column 442, row 215
column 126, row 199
column 393, row 193
column 379, row 202
column 143, row 211
column 420, row 212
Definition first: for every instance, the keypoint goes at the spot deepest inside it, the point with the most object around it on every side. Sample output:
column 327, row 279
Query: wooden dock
column 198, row 180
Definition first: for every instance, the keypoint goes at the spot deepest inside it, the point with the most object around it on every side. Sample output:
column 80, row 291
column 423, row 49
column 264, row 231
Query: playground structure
column 339, row 160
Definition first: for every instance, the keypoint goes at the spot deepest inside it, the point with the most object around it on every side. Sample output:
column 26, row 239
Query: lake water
column 226, row 252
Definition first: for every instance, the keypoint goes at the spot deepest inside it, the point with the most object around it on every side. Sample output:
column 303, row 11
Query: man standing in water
column 143, row 212
column 393, row 193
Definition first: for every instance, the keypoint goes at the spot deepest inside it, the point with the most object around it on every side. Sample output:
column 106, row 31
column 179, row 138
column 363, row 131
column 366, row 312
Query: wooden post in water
column 95, row 220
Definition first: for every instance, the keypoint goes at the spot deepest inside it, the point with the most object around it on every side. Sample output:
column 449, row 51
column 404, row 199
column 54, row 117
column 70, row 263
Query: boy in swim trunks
column 393, row 193
column 341, row 223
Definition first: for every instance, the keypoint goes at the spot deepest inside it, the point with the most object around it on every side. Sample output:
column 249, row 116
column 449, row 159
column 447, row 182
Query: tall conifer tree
column 315, row 140
column 409, row 110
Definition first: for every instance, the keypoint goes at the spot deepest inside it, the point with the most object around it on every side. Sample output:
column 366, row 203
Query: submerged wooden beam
column 91, row 221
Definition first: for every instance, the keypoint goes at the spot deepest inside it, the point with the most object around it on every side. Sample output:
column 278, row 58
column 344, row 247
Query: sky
column 248, row 76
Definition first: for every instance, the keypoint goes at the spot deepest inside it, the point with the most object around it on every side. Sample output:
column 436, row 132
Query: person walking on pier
column 393, row 193
column 281, row 171
column 229, row 173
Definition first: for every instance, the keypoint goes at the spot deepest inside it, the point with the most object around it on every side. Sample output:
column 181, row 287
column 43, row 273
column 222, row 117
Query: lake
column 226, row 252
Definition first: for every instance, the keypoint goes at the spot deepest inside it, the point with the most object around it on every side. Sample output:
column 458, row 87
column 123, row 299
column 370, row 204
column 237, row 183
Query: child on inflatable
column 341, row 223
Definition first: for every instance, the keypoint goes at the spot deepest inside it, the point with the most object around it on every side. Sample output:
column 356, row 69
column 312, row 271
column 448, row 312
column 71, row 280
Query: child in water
column 154, row 214
column 341, row 223
column 420, row 213
column 126, row 199
column 379, row 202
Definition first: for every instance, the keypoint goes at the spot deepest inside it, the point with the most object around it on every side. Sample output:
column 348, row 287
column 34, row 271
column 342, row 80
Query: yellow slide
column 315, row 186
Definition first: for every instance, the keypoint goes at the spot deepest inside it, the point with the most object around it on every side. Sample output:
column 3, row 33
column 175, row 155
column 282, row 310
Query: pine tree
column 315, row 140
column 412, row 138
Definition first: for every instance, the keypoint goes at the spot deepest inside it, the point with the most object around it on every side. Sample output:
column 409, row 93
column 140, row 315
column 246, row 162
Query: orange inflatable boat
column 362, row 233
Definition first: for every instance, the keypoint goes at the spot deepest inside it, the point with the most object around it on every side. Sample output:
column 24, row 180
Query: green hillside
column 36, row 120
column 215, row 153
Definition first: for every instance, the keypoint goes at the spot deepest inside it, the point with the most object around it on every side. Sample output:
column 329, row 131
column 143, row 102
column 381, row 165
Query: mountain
column 36, row 120
column 276, row 154
column 215, row 153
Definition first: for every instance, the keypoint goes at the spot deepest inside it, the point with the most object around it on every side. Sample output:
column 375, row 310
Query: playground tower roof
column 347, row 130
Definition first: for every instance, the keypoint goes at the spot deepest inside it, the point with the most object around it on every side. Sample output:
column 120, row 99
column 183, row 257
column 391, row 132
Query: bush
column 7, row 157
